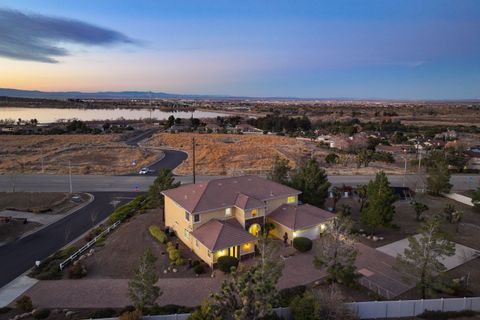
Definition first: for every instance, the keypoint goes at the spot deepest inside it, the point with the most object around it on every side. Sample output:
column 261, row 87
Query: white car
column 144, row 171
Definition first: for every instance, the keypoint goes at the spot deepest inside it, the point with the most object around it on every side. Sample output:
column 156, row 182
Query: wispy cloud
column 41, row 38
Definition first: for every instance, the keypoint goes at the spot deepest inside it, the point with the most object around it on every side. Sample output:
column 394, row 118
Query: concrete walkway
column 42, row 218
column 14, row 289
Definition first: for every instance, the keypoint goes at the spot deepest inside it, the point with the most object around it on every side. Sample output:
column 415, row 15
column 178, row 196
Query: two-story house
column 226, row 216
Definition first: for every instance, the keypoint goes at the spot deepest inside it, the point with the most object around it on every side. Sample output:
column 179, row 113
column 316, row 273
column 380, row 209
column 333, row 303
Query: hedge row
column 127, row 210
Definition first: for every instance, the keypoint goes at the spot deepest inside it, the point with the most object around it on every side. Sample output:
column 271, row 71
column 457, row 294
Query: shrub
column 41, row 314
column 24, row 303
column 131, row 315
column 174, row 254
column 77, row 271
column 285, row 296
column 103, row 313
column 195, row 263
column 304, row 307
column 199, row 269
column 302, row 244
column 158, row 234
column 179, row 261
column 226, row 263
column 5, row 310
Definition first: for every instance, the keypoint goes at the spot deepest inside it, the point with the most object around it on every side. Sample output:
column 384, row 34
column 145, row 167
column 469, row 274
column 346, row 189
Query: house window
column 254, row 212
column 291, row 199
column 209, row 253
column 196, row 218
column 196, row 243
column 187, row 216
column 186, row 234
column 228, row 212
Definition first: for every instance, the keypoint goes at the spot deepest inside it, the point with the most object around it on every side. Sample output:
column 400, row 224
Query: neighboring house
column 179, row 128
column 246, row 128
column 226, row 216
column 213, row 127
column 394, row 150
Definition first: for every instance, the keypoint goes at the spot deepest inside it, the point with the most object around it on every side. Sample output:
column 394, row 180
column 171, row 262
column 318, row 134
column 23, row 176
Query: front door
column 255, row 229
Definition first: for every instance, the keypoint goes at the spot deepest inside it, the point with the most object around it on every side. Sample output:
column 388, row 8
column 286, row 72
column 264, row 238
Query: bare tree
column 67, row 231
column 94, row 216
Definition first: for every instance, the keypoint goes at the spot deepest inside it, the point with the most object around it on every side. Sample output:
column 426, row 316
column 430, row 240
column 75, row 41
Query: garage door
column 311, row 233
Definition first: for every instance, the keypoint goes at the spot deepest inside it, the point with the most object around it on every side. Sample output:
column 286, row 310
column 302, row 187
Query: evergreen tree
column 336, row 196
column 361, row 191
column 170, row 121
column 476, row 199
column 336, row 252
column 312, row 181
column 421, row 260
column 280, row 170
column 250, row 294
column 142, row 289
column 438, row 180
column 419, row 208
column 163, row 181
column 379, row 209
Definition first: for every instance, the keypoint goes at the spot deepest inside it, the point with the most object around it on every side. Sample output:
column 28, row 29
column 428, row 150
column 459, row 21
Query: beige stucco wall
column 280, row 230
column 175, row 218
column 275, row 203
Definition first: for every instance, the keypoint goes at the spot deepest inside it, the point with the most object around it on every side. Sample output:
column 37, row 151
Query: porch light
column 246, row 246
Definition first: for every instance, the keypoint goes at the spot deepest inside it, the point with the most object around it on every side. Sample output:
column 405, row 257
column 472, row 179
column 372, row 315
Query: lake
column 48, row 115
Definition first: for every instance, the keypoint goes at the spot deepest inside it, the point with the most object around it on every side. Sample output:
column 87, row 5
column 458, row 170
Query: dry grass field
column 88, row 154
column 219, row 154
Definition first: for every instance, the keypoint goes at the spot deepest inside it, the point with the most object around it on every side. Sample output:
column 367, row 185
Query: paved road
column 92, row 183
column 18, row 256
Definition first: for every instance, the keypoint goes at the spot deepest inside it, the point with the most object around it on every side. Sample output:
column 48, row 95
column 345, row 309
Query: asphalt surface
column 60, row 183
column 18, row 256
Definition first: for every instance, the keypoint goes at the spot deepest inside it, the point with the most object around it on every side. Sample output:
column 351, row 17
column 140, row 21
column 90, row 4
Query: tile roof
column 218, row 235
column 300, row 217
column 223, row 193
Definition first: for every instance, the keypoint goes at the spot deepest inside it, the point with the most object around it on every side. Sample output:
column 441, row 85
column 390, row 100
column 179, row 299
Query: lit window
column 196, row 218
column 228, row 212
column 291, row 199
column 186, row 234
column 187, row 216
column 254, row 212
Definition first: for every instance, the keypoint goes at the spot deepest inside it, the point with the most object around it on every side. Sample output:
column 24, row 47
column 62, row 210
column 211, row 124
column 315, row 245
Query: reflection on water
column 47, row 115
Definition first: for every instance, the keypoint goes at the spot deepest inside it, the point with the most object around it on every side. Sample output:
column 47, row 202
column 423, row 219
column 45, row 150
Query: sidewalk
column 14, row 289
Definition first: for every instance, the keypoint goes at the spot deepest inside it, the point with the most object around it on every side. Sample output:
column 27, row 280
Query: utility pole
column 70, row 175
column 193, row 158
column 405, row 168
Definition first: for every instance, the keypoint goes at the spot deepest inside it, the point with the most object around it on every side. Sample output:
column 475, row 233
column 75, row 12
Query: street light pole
column 70, row 175
column 193, row 158
column 405, row 168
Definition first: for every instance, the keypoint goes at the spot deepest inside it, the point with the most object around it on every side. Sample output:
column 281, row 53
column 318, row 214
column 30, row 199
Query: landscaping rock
column 69, row 314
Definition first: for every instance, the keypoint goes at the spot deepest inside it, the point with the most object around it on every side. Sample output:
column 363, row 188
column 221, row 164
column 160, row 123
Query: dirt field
column 218, row 154
column 14, row 228
column 123, row 249
column 32, row 201
column 88, row 154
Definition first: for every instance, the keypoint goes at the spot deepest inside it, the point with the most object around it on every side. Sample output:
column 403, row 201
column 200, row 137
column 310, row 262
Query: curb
column 71, row 211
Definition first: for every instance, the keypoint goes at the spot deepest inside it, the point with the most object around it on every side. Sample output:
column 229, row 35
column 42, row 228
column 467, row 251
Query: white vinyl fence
column 411, row 308
column 87, row 246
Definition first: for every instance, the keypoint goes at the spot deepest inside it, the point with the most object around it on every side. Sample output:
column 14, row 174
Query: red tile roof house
column 226, row 216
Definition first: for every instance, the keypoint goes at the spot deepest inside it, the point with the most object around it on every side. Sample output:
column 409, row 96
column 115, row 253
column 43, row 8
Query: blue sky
column 362, row 49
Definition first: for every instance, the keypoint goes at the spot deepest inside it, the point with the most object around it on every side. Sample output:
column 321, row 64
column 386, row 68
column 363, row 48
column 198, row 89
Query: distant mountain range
column 5, row 92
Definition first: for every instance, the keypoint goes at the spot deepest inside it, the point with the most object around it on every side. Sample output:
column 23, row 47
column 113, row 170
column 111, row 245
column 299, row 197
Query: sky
column 386, row 49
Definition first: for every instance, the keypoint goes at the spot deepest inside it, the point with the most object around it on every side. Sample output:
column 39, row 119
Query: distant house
column 395, row 149
column 246, row 128
column 179, row 128
column 344, row 142
column 447, row 135
column 227, row 216
column 213, row 127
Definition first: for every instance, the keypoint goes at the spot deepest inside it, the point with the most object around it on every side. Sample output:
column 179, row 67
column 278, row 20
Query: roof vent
column 271, row 194
column 186, row 196
column 219, row 183
column 235, row 181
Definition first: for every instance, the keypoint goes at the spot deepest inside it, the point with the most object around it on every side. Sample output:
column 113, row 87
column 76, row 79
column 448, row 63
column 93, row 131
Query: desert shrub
column 226, row 263
column 174, row 254
column 103, row 313
column 41, row 314
column 158, row 234
column 304, row 307
column 24, row 303
column 77, row 271
column 199, row 269
column 302, row 244
column 179, row 261
column 285, row 296
column 439, row 315
column 5, row 310
column 93, row 233
column 131, row 315
column 195, row 263
column 127, row 210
